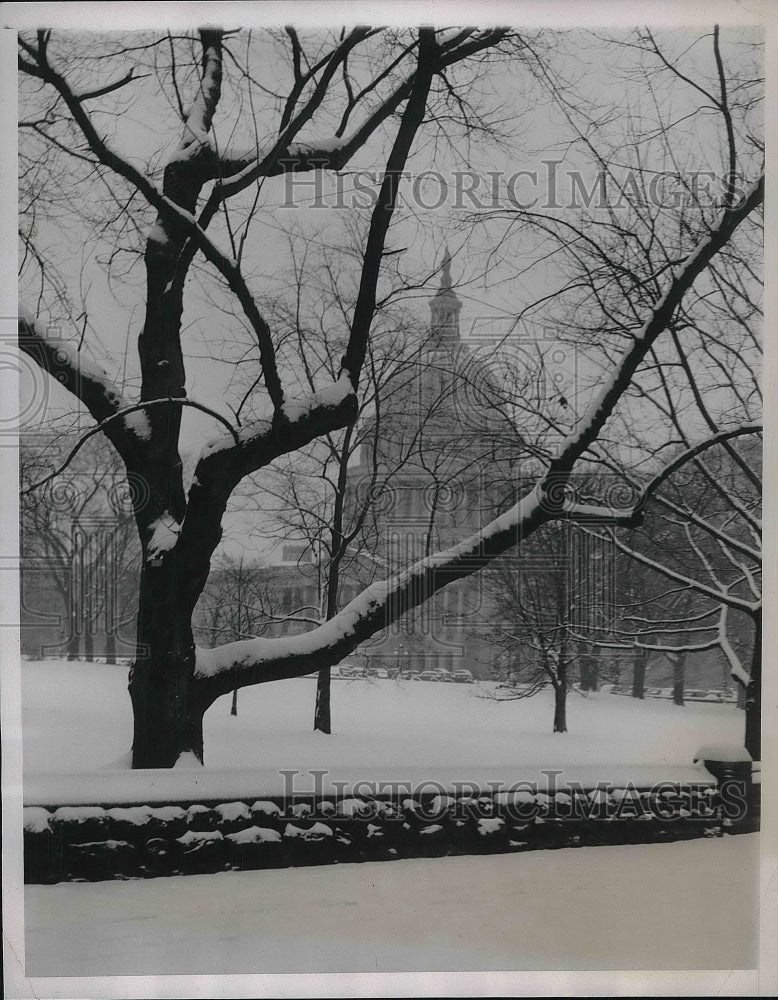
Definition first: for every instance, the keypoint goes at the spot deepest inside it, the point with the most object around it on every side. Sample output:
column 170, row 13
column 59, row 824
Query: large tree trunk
column 110, row 648
column 753, row 705
column 639, row 664
column 168, row 721
column 678, row 661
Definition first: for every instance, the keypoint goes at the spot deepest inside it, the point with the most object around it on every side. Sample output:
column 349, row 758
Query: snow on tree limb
column 255, row 661
column 582, row 513
column 170, row 213
column 736, row 668
column 332, row 407
column 686, row 456
column 604, row 403
column 260, row 660
column 335, row 152
column 87, row 381
column 225, row 462
column 202, row 111
column 162, row 536
column 719, row 594
column 135, row 421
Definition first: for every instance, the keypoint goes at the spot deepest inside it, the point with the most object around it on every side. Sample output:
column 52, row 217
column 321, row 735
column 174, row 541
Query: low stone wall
column 99, row 840
column 94, row 843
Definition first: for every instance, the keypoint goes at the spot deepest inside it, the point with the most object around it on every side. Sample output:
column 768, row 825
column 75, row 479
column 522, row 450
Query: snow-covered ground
column 689, row 905
column 76, row 717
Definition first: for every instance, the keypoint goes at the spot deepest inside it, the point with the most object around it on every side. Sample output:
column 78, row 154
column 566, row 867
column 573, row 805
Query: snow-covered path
column 690, row 905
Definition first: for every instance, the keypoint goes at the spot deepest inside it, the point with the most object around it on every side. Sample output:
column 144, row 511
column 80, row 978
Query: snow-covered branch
column 691, row 453
column 257, row 443
column 224, row 462
column 718, row 594
column 171, row 214
column 614, row 387
column 86, row 380
column 135, row 422
column 290, row 155
column 582, row 513
column 736, row 668
column 259, row 660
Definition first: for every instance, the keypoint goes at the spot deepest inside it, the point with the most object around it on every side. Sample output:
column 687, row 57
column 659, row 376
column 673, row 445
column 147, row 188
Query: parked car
column 715, row 695
column 354, row 667
column 427, row 675
column 381, row 672
column 462, row 677
column 445, row 676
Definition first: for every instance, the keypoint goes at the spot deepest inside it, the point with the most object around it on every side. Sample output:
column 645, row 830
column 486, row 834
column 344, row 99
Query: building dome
column 445, row 308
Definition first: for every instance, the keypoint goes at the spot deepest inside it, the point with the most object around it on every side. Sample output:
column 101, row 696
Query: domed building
column 442, row 466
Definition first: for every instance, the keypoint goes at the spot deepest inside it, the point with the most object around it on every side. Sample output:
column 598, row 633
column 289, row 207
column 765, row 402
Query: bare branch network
column 379, row 87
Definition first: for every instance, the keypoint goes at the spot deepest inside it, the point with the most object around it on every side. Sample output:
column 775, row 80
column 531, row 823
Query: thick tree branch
column 125, row 411
column 224, row 463
column 174, row 216
column 256, row 661
column 603, row 405
column 581, row 513
column 89, row 383
column 242, row 169
column 719, row 594
column 690, row 453
column 384, row 209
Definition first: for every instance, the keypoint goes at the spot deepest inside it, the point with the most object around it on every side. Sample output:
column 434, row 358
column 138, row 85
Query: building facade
column 443, row 471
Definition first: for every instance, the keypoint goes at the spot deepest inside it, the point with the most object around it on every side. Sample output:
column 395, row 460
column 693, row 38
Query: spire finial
column 445, row 278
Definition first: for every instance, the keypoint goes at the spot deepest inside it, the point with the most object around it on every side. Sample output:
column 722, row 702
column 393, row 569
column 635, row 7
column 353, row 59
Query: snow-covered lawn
column 689, row 905
column 76, row 717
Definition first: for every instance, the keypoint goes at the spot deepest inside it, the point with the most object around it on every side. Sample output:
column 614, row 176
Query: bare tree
column 172, row 683
column 237, row 603
column 710, row 564
column 698, row 398
column 547, row 609
column 78, row 537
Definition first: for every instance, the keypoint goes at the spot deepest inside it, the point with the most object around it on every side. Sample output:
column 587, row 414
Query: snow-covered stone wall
column 96, row 842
